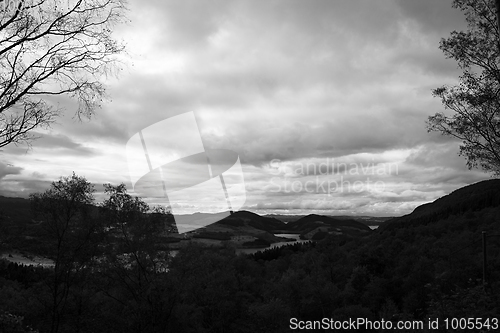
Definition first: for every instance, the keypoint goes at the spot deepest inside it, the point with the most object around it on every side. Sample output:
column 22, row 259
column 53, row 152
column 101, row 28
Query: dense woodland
column 113, row 273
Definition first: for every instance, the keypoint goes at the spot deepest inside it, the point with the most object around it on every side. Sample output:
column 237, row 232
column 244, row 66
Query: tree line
column 113, row 273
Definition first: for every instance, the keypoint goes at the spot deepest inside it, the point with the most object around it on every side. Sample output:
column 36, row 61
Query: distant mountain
column 314, row 220
column 469, row 198
column 367, row 220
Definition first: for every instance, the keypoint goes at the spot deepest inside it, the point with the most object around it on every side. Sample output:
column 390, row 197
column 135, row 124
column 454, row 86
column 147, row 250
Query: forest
column 113, row 273
column 114, row 269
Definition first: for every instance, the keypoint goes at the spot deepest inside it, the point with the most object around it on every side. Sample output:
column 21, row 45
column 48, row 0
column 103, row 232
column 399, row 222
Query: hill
column 16, row 209
column 316, row 227
column 470, row 198
column 248, row 219
column 427, row 264
column 244, row 229
column 17, row 226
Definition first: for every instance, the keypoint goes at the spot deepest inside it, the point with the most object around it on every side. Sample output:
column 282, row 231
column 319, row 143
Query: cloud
column 436, row 17
column 262, row 140
column 314, row 205
column 443, row 154
column 8, row 169
column 292, row 80
column 302, row 63
column 61, row 144
column 105, row 127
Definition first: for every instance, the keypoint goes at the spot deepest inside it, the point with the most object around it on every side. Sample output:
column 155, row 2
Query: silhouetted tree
column 72, row 233
column 52, row 47
column 134, row 267
column 474, row 102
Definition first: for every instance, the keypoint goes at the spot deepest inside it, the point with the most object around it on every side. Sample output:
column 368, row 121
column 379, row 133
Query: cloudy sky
column 324, row 102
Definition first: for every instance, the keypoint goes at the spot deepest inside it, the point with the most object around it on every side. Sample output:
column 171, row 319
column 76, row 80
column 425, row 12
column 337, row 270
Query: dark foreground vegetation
column 113, row 273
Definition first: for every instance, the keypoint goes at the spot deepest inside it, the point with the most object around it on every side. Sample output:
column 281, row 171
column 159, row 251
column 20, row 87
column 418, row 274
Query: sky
column 324, row 102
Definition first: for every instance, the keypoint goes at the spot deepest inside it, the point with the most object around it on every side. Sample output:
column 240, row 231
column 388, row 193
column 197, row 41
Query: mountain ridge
column 472, row 197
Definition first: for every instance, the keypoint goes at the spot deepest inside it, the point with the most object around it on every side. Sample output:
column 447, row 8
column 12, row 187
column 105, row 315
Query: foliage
column 72, row 233
column 53, row 48
column 213, row 235
column 430, row 267
column 10, row 323
column 474, row 101
column 133, row 268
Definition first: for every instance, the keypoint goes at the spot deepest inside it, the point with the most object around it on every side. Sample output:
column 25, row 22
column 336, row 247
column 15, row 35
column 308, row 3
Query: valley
column 426, row 264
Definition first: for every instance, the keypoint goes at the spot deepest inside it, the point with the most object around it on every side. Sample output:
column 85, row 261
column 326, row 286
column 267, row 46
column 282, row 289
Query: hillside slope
column 317, row 227
column 248, row 219
column 470, row 198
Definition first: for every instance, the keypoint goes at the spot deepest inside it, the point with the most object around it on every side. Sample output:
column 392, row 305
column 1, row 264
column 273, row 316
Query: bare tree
column 53, row 47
